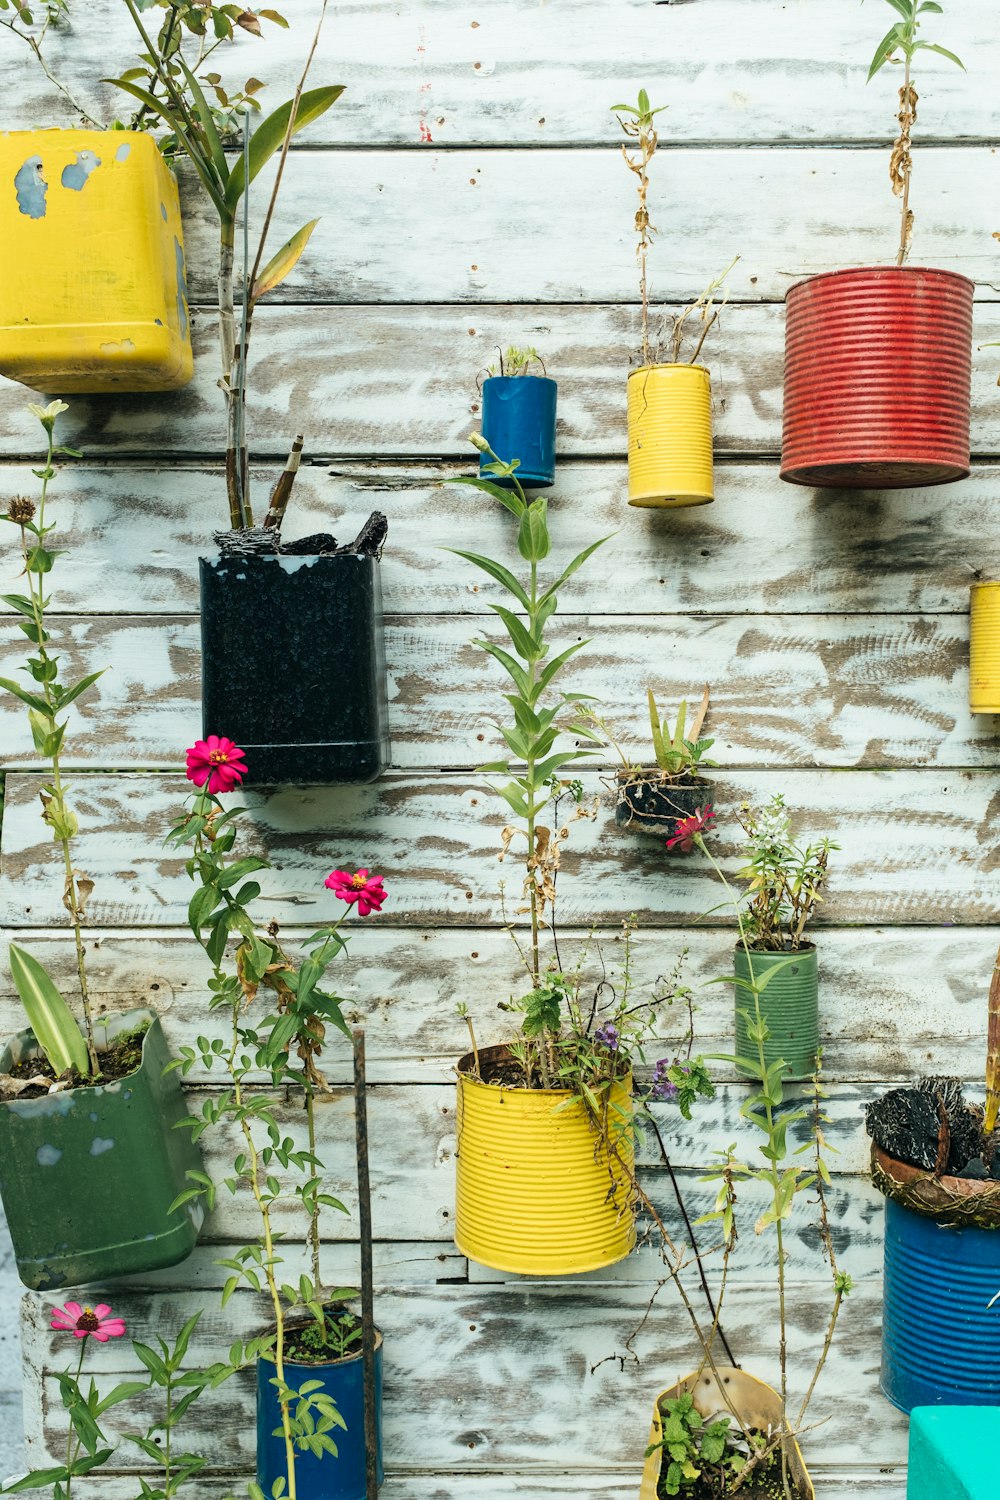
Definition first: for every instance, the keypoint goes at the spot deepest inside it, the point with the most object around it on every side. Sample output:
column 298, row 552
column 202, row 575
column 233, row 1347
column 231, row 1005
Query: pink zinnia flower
column 367, row 890
column 88, row 1322
column 217, row 761
column 688, row 828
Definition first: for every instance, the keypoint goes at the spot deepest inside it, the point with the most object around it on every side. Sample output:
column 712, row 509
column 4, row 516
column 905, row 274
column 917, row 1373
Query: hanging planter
column 984, row 648
column 759, row 1408
column 536, row 1190
column 652, row 803
column 519, row 420
column 670, row 436
column 293, row 664
column 325, row 1477
column 93, row 295
column 878, row 371
column 88, row 1174
column 789, row 1004
column 940, row 1314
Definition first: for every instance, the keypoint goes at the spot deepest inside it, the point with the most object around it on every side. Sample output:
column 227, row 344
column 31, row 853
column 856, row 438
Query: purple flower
column 662, row 1087
column 608, row 1036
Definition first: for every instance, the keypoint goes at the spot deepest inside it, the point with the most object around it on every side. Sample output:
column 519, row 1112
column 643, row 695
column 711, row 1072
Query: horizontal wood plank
column 917, row 848
column 503, row 75
column 894, row 1002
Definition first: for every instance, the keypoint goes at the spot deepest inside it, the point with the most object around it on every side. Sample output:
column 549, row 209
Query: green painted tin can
column 87, row 1175
column 789, row 1004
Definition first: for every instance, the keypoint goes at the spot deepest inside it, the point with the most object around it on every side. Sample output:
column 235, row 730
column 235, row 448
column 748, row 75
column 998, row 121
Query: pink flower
column 367, row 890
column 217, row 761
column 689, row 828
column 88, row 1322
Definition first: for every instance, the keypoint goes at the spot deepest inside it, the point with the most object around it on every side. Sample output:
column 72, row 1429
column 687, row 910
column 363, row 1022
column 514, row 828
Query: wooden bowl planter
column 758, row 1404
column 940, row 1316
column 87, row 1175
column 536, row 1191
column 670, row 436
column 293, row 665
column 984, row 649
column 93, row 296
column 878, row 370
column 789, row 1005
column 519, row 421
column 652, row 802
column 324, row 1478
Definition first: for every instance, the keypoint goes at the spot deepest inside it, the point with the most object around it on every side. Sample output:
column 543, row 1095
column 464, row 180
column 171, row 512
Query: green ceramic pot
column 87, row 1176
column 789, row 1005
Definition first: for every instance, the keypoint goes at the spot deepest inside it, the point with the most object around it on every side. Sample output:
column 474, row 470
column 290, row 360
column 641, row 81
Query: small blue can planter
column 326, row 1478
column 519, row 421
column 940, row 1335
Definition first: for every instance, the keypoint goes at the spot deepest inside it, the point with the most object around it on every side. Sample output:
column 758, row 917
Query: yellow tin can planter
column 670, row 436
column 536, row 1191
column 757, row 1403
column 93, row 295
column 984, row 649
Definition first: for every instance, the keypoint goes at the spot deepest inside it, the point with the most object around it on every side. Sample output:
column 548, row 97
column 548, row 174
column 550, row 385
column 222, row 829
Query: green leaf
column 203, row 164
column 884, row 50
column 31, row 699
column 38, row 1479
column 206, row 121
column 517, row 672
column 902, row 8
column 270, row 134
column 557, row 663
column 524, row 643
column 508, row 498
column 121, row 1392
column 71, row 694
column 933, row 47
column 282, row 264
column 495, row 570
column 154, row 1364
column 533, row 532
column 572, row 567
column 49, row 1016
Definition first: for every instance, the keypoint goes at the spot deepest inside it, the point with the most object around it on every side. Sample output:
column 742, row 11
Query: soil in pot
column 497, row 1065
column 934, row 1127
column 308, row 1344
column 652, row 803
column 717, row 1479
column 119, row 1059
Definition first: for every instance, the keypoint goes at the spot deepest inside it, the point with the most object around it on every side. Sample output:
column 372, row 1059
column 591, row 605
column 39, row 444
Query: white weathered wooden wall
column 472, row 194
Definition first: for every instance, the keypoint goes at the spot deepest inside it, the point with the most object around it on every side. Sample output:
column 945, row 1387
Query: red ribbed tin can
column 878, row 370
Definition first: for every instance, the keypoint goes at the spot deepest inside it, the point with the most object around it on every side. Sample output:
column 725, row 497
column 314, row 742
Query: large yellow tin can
column 984, row 649
column 758, row 1406
column 536, row 1190
column 670, row 436
column 92, row 291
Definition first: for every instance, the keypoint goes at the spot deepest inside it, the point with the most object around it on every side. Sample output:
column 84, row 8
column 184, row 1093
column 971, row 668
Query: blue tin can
column 940, row 1312
column 325, row 1478
column 519, row 421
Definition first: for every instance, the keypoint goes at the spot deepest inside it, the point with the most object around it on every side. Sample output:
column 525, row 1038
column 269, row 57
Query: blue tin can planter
column 326, row 1478
column 940, row 1333
column 519, row 421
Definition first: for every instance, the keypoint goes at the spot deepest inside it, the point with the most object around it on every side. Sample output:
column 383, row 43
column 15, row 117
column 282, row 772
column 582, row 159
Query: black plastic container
column 293, row 665
column 650, row 804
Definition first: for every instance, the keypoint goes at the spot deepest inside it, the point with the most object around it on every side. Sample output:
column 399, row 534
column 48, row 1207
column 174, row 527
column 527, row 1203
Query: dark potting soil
column 307, row 1345
column 506, row 1072
column 117, row 1061
column 932, row 1126
column 715, row 1482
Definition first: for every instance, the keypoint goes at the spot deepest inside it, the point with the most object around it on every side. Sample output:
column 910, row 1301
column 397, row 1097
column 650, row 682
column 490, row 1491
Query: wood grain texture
column 852, row 707
column 503, row 75
column 395, row 382
column 894, row 1001
column 492, row 1343
column 134, row 534
column 917, row 847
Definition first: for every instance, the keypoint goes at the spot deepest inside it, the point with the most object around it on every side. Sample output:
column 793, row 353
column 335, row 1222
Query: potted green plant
column 934, row 1159
column 308, row 1360
column 519, row 416
column 90, row 1161
column 306, row 696
column 545, row 1121
column 878, row 360
column 669, row 403
column 651, row 799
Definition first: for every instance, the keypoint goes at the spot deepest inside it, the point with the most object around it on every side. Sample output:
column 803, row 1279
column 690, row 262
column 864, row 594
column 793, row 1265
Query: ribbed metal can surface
column 878, row 372
column 940, row 1312
column 670, row 436
column 789, row 1004
column 984, row 648
column 535, row 1190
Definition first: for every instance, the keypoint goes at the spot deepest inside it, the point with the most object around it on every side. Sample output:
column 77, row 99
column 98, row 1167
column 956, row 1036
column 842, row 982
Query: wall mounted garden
column 93, row 295
column 88, row 1175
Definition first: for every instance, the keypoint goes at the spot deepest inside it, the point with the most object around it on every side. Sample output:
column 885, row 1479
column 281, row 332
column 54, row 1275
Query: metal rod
column 367, row 1288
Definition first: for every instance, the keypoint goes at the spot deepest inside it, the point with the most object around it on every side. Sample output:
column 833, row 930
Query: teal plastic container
column 789, row 1005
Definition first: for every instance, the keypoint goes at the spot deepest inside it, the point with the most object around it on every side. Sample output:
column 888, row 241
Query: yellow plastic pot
column 984, row 649
column 93, row 295
column 757, row 1403
column 536, row 1191
column 670, row 436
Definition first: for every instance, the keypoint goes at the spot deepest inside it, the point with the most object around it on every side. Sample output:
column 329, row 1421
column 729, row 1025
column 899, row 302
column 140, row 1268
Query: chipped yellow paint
column 93, row 295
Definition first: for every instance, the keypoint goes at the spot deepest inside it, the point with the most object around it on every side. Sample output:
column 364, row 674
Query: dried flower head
column 21, row 510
